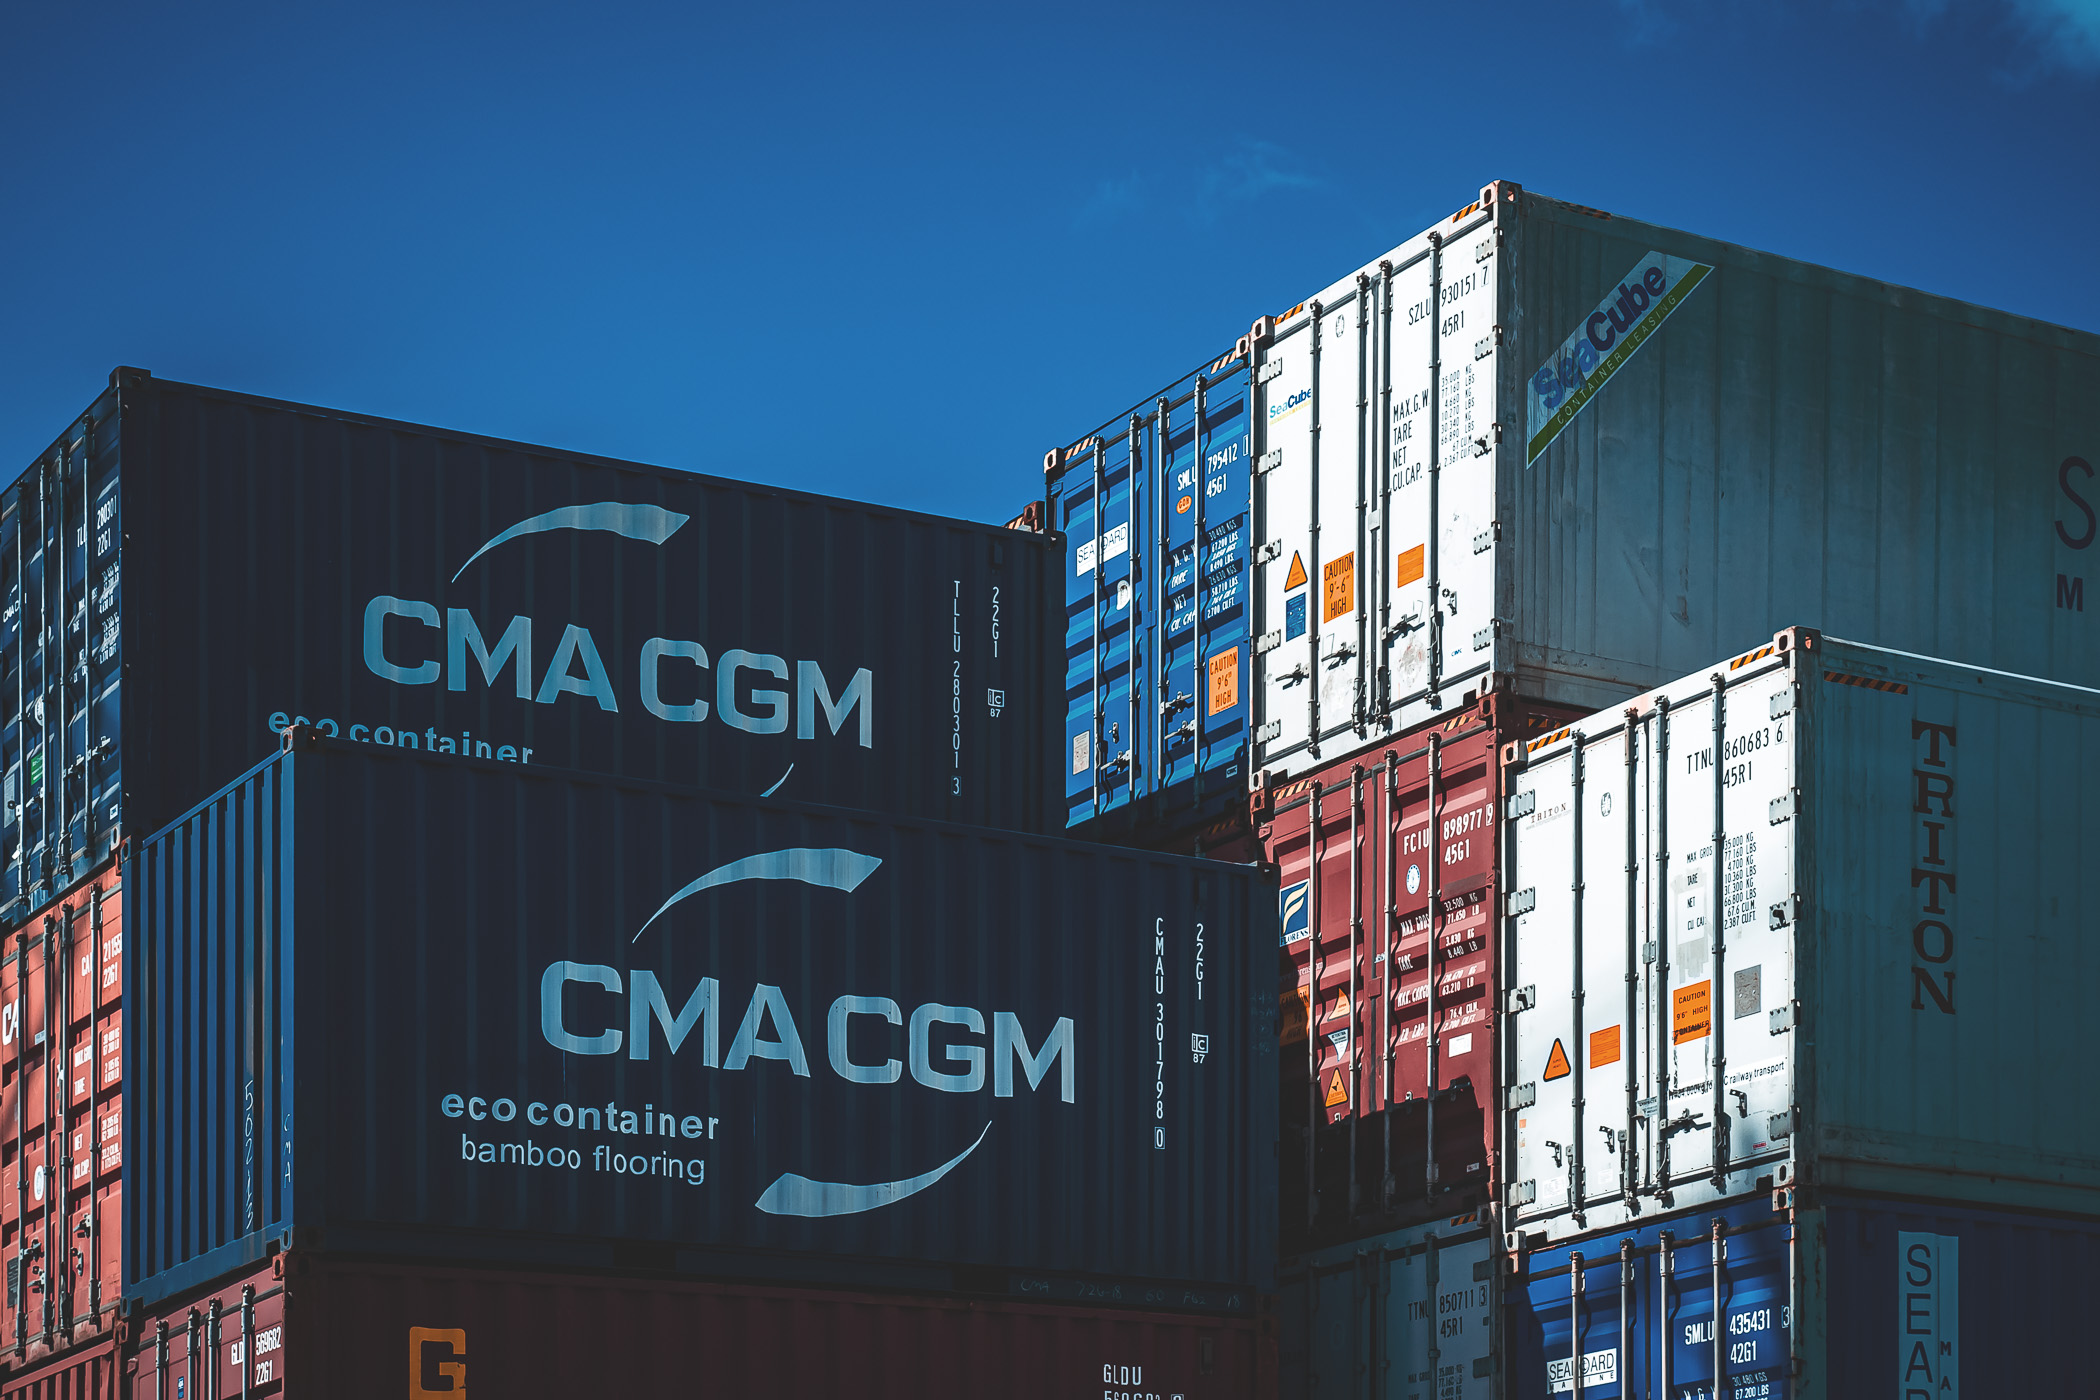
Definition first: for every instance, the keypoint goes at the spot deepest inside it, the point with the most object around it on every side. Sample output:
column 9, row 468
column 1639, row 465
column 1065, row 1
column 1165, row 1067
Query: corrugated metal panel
column 92, row 1373
column 402, row 585
column 325, row 1329
column 1833, row 998
column 1453, row 485
column 1156, row 643
column 61, row 1117
column 1661, row 1309
column 1402, row 1315
column 1403, row 1122
column 428, row 975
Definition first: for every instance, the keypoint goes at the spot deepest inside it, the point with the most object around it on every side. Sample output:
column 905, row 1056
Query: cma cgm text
column 425, row 647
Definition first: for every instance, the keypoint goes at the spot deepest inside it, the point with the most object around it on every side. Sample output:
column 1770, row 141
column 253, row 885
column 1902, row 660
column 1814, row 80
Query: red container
column 1388, row 958
column 324, row 1328
column 62, row 1122
column 90, row 1372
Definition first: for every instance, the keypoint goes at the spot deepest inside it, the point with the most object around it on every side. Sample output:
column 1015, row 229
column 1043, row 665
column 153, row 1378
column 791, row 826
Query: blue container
column 1157, row 648
column 197, row 569
column 390, row 1003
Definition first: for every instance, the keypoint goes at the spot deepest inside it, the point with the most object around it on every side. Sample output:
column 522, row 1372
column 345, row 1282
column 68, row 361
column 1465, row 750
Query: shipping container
column 1156, row 642
column 309, row 1327
column 1808, row 916
column 61, row 1121
column 404, row 1003
column 1848, row 1296
column 188, row 571
column 1408, row 1315
column 1389, row 957
column 1578, row 451
column 89, row 1372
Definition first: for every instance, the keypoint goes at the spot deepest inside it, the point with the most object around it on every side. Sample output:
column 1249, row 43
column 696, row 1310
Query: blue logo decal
column 830, row 867
column 1294, row 904
column 650, row 524
column 799, row 1195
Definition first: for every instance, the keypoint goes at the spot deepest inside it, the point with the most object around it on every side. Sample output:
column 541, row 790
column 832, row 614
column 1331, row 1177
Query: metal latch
column 1523, row 901
column 1523, row 1095
column 1523, row 999
column 1648, row 951
column 1269, row 371
column 1269, row 733
column 1783, row 1019
column 1523, row 1193
column 1783, row 703
column 1485, row 540
column 1267, row 641
column 1272, row 550
column 1784, row 809
column 1268, row 461
column 1522, row 804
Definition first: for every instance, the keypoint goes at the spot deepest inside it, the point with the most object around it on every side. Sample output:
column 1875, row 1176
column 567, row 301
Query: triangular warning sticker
column 1340, row 1007
column 1296, row 577
column 1337, row 1092
column 1556, row 1063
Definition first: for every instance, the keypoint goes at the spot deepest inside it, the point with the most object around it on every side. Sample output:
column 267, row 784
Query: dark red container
column 313, row 1328
column 88, row 1372
column 1388, row 968
column 62, row 1121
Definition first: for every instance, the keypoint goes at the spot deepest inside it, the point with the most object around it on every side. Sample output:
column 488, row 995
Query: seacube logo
column 1289, row 405
column 429, row 644
column 955, row 1066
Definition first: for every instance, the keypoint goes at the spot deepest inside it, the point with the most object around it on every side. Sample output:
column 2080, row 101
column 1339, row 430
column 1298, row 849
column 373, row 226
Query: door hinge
column 1482, row 1365
column 1523, row 901
column 1523, row 999
column 1269, row 733
column 1523, row 1193
column 1483, row 1272
column 1269, row 371
column 1781, row 1127
column 1785, row 808
column 1523, row 804
column 1269, row 552
column 1783, row 1019
column 1268, row 461
column 1783, row 702
column 1786, row 911
column 1523, row 1095
column 1484, row 638
column 1267, row 642
column 1485, row 540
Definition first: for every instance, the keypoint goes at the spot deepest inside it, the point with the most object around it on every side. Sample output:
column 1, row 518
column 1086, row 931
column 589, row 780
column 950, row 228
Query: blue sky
column 896, row 254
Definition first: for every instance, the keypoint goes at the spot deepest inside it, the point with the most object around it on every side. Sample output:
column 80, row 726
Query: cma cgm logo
column 948, row 1049
column 411, row 641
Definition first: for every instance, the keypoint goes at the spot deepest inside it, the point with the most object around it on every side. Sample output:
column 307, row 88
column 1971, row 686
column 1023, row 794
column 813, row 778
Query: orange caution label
column 1557, row 1066
column 1296, row 577
column 1339, row 588
column 1297, row 1014
column 1691, row 1012
column 1224, row 671
column 1410, row 567
column 1337, row 1091
column 1604, row 1047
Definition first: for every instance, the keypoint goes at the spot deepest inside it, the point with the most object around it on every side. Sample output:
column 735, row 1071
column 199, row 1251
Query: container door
column 1436, row 1317
column 1543, row 968
column 1098, row 513
column 1437, row 630
column 1727, row 933
column 1312, row 400
column 1208, row 638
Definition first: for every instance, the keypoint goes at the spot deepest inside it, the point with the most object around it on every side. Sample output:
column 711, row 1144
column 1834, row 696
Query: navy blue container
column 197, row 569
column 1849, row 1297
column 1157, row 649
column 393, row 1003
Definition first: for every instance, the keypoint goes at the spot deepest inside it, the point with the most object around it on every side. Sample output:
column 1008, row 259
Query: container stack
column 1336, row 603
column 584, row 926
